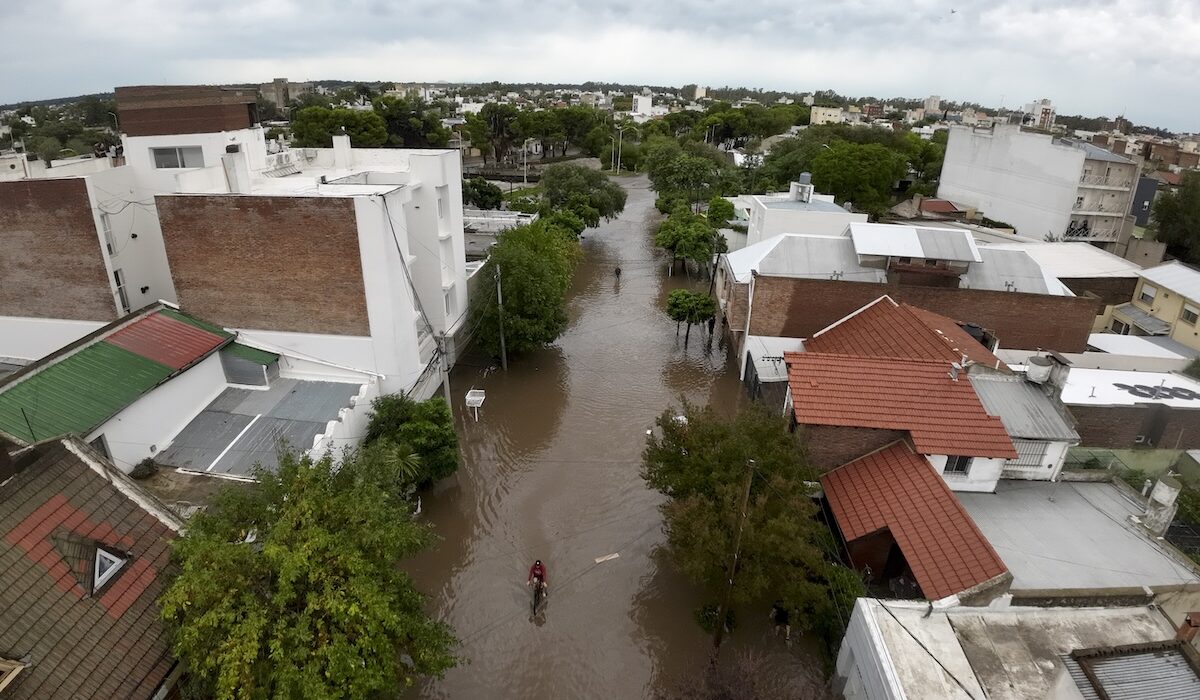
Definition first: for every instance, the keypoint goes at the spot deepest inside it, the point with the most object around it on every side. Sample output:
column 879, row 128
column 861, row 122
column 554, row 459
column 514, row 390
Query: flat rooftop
column 242, row 428
column 1071, row 535
column 1110, row 387
column 787, row 203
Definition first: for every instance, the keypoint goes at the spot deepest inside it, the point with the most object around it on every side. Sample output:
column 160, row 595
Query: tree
column 480, row 193
column 720, row 211
column 575, row 187
column 686, row 306
column 861, row 174
column 426, row 428
column 535, row 263
column 1177, row 218
column 500, row 125
column 688, row 236
column 289, row 587
column 315, row 127
column 411, row 122
column 700, row 464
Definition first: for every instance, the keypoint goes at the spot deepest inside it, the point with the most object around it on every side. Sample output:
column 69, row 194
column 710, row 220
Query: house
column 903, row 527
column 800, row 210
column 1039, row 426
column 793, row 285
column 165, row 385
column 84, row 559
column 1165, row 303
column 848, row 406
column 897, row 649
column 1044, row 186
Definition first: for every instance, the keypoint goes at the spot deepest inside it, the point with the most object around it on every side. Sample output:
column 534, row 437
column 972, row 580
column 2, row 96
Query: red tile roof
column 166, row 340
column 897, row 489
column 943, row 416
column 109, row 644
column 939, row 206
column 884, row 328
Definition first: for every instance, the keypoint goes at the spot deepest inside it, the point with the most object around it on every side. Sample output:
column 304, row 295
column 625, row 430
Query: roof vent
column 1037, row 369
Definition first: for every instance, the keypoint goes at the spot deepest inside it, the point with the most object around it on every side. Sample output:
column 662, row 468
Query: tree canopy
column 586, row 192
column 425, row 428
column 720, row 211
column 411, row 122
column 315, row 127
column 861, row 174
column 481, row 194
column 688, row 236
column 700, row 464
column 686, row 306
column 289, row 587
column 1177, row 218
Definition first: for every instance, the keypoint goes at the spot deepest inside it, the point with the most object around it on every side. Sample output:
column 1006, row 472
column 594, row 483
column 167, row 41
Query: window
column 119, row 278
column 1190, row 314
column 904, row 261
column 106, row 229
column 957, row 465
column 1119, row 328
column 181, row 157
column 107, row 566
column 449, row 300
column 931, row 262
column 441, row 208
column 8, row 672
column 1148, row 294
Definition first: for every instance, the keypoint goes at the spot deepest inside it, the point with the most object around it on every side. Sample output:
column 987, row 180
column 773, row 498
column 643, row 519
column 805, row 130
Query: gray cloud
column 1140, row 57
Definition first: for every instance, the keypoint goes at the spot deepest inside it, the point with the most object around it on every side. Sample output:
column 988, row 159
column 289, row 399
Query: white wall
column 32, row 339
column 863, row 666
column 1008, row 175
column 315, row 356
column 1052, row 464
column 137, row 154
column 138, row 249
column 769, row 221
column 351, row 424
column 147, row 426
column 980, row 477
column 825, row 115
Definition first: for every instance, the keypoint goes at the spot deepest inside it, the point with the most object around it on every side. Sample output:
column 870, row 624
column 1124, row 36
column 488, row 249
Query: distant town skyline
column 1094, row 57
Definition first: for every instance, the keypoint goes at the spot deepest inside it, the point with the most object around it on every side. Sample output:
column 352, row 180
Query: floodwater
column 551, row 471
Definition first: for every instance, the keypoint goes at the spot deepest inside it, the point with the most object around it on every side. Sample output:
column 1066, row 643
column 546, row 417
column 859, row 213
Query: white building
column 800, row 210
column 933, row 103
column 825, row 115
column 1043, row 186
column 1039, row 114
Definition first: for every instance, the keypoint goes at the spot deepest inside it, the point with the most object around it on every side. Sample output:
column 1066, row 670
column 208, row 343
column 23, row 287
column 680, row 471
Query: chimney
column 1189, row 628
column 342, row 157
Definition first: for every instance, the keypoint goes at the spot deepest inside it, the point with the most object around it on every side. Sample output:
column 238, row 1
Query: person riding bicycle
column 538, row 571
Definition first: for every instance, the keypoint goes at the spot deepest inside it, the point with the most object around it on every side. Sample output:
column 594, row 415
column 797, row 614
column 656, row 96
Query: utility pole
column 500, row 304
column 445, row 368
column 737, row 547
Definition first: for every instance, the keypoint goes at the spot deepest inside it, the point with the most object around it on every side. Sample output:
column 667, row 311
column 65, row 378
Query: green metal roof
column 78, row 393
column 246, row 352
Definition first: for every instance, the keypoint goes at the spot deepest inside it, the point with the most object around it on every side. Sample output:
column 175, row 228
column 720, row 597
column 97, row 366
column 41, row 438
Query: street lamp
column 620, row 137
column 612, row 157
column 116, row 126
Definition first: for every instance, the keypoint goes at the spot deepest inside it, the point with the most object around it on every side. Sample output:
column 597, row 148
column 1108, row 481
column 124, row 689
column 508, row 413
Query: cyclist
column 538, row 571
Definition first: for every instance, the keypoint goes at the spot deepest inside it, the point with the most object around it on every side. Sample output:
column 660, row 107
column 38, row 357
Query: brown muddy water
column 551, row 471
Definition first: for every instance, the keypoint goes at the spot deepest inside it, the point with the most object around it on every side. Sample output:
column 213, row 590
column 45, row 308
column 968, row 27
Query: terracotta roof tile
column 939, row 206
column 943, row 416
column 897, row 489
column 884, row 328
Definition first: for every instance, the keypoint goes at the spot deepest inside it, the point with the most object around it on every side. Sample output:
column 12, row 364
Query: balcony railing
column 1104, row 181
column 1098, row 235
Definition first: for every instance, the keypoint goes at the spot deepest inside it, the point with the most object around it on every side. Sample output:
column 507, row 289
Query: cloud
column 1139, row 57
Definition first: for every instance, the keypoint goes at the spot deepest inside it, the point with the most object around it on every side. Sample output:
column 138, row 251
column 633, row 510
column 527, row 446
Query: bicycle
column 539, row 596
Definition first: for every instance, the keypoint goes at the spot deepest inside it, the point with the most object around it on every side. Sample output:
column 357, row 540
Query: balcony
column 1095, row 235
column 1104, row 182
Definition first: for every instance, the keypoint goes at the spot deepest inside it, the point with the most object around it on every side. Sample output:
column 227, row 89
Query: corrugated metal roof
column 1177, row 277
column 203, row 325
column 1136, row 674
column 164, row 339
column 945, row 244
column 1026, row 412
column 246, row 352
column 898, row 240
column 1010, row 270
column 78, row 393
column 1146, row 321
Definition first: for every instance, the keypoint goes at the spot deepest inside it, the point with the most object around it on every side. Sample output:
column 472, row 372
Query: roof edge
column 122, row 483
column 854, row 313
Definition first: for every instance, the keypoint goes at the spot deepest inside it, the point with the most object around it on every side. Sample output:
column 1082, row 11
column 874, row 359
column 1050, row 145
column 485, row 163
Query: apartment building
column 1166, row 303
column 1045, row 187
column 825, row 115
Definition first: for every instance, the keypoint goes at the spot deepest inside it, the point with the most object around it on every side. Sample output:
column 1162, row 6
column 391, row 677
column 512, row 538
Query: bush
column 481, row 194
column 426, row 427
column 144, row 469
column 666, row 203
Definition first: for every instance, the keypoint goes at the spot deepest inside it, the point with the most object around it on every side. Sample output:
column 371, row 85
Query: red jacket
column 540, row 571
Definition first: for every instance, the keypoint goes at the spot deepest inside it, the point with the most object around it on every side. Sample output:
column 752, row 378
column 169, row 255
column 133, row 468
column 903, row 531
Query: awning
column 1145, row 321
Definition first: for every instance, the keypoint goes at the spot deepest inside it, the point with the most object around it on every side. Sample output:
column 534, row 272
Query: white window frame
column 9, row 670
column 115, row 562
column 1119, row 327
column 181, row 157
column 1147, row 294
column 1189, row 314
column 122, row 294
column 953, row 464
column 106, row 229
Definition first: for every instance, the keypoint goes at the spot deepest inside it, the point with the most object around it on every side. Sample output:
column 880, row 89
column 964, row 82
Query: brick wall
column 51, row 265
column 153, row 110
column 830, row 446
column 1182, row 429
column 787, row 306
column 267, row 263
column 1109, row 426
column 1110, row 290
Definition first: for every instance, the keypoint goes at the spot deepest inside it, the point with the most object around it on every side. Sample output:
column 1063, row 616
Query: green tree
column 861, row 174
column 289, row 587
column 686, row 306
column 480, row 193
column 500, row 127
column 411, row 122
column 700, row 464
column 720, row 211
column 687, row 236
column 535, row 263
column 578, row 188
column 1177, row 218
column 426, row 428
column 315, row 127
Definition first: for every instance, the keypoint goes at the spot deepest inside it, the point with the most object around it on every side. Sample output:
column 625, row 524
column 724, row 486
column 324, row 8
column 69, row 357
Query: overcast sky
column 1140, row 57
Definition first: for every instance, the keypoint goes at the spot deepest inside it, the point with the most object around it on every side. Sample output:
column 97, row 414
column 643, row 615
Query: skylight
column 107, row 566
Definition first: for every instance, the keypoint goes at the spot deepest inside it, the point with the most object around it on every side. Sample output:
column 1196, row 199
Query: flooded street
column 551, row 471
